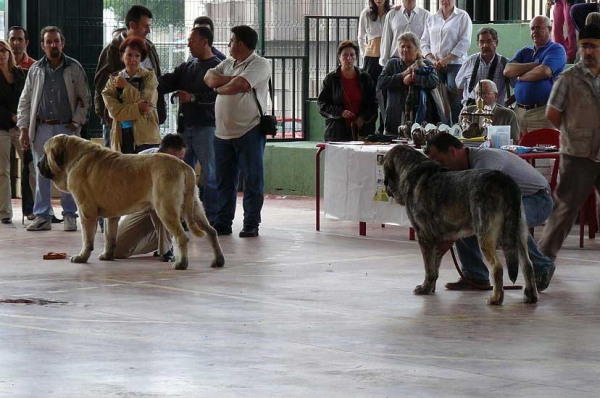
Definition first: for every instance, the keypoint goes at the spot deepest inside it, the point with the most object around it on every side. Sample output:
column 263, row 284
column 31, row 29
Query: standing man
column 487, row 64
column 206, row 22
column 197, row 112
column 137, row 21
column 537, row 201
column 55, row 100
column 503, row 116
column 240, row 81
column 535, row 69
column 407, row 18
column 574, row 108
column 19, row 40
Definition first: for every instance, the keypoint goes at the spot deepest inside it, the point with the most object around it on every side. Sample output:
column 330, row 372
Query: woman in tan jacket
column 130, row 97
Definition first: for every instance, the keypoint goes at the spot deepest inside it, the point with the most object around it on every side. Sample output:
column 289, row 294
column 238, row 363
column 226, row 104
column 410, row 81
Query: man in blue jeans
column 537, row 201
column 240, row 81
column 197, row 112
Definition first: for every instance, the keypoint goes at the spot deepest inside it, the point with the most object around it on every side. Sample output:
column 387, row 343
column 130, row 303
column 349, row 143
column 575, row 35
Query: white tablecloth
column 350, row 185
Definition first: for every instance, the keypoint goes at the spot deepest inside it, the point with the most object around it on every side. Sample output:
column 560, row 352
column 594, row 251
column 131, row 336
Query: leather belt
column 529, row 107
column 51, row 122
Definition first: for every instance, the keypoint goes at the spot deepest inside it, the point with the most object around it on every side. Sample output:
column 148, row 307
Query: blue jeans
column 245, row 155
column 43, row 190
column 448, row 76
column 106, row 135
column 200, row 142
column 537, row 209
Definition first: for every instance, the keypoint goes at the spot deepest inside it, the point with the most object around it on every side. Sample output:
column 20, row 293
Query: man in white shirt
column 445, row 42
column 240, row 81
column 487, row 64
column 405, row 18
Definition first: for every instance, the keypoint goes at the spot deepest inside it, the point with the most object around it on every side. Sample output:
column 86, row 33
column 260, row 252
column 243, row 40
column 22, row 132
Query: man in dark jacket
column 138, row 21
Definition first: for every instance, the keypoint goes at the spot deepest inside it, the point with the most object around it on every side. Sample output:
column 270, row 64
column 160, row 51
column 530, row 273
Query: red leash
column 476, row 286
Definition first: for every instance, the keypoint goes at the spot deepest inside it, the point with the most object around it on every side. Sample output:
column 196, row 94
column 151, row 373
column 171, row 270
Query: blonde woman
column 12, row 80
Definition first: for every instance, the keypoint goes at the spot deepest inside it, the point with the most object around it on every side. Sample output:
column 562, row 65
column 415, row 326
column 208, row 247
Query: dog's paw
column 218, row 262
column 106, row 257
column 421, row 290
column 530, row 297
column 79, row 259
column 495, row 301
column 180, row 264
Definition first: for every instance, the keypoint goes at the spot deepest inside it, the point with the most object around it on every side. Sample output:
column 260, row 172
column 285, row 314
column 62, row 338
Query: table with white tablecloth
column 351, row 185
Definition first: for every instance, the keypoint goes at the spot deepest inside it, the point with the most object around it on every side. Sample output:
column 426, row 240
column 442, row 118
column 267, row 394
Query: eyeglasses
column 348, row 55
column 482, row 42
column 3, row 50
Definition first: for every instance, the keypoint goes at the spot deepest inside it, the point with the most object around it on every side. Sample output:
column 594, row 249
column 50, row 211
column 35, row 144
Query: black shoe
column 249, row 232
column 168, row 257
column 56, row 220
column 221, row 231
column 463, row 284
column 7, row 220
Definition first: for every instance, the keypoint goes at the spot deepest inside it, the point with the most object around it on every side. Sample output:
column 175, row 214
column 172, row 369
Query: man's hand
column 409, row 78
column 73, row 127
column 24, row 139
column 183, row 96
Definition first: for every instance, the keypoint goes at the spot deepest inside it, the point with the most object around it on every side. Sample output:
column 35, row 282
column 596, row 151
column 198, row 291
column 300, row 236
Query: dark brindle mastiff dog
column 445, row 205
column 110, row 184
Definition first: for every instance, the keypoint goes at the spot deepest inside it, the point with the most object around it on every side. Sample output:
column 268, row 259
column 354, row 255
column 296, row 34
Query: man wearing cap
column 535, row 69
column 574, row 108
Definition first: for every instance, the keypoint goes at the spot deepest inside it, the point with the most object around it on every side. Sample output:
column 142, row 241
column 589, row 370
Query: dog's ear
column 59, row 153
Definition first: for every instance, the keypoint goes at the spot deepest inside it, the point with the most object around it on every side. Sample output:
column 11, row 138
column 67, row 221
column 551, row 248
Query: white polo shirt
column 444, row 36
column 237, row 114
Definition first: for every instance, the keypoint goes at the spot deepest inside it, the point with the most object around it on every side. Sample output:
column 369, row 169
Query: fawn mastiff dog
column 445, row 205
column 110, row 184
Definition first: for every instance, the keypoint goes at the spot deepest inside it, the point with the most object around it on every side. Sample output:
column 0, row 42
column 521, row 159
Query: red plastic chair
column 547, row 137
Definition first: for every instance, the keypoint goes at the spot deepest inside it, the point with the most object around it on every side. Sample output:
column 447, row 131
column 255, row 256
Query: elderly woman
column 347, row 99
column 408, row 81
column 445, row 42
column 130, row 97
column 12, row 80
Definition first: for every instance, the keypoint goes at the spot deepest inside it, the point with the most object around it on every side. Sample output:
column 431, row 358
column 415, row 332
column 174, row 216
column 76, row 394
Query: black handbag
column 268, row 123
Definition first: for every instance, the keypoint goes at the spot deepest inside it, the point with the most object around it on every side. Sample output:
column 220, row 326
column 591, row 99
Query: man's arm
column 237, row 85
column 214, row 79
column 515, row 69
column 554, row 116
column 540, row 72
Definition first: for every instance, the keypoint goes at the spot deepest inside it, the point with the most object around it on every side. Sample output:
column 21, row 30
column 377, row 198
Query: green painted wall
column 290, row 167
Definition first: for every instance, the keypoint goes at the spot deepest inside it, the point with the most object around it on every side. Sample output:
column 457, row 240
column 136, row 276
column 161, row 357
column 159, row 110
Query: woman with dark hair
column 12, row 80
column 347, row 99
column 408, row 82
column 130, row 96
column 370, row 28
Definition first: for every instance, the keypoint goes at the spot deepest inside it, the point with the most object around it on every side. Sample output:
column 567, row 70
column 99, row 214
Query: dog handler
column 143, row 232
column 449, row 151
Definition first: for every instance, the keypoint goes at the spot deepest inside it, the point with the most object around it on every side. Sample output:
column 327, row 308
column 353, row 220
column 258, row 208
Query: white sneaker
column 40, row 224
column 70, row 224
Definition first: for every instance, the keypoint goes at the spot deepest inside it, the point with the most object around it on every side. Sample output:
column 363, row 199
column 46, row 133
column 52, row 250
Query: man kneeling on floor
column 143, row 232
column 537, row 201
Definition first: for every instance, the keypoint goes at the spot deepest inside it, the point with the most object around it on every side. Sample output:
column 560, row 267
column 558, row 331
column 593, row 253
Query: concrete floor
column 295, row 313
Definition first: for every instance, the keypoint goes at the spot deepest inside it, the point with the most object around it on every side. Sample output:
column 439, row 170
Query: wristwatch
column 216, row 90
column 192, row 98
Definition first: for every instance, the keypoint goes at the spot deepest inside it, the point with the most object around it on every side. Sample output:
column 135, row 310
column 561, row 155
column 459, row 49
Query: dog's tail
column 514, row 238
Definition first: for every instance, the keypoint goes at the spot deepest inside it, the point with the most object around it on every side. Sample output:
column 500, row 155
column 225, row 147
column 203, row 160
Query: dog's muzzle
column 44, row 168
